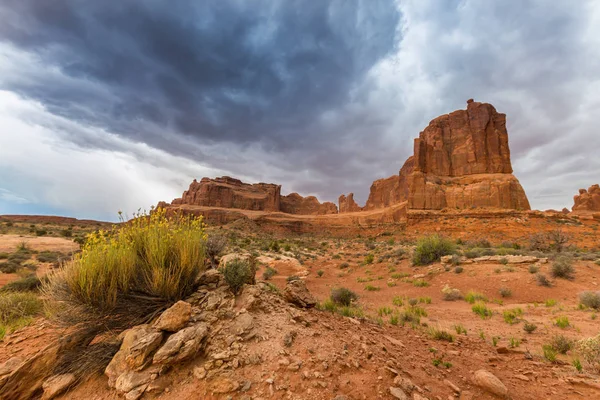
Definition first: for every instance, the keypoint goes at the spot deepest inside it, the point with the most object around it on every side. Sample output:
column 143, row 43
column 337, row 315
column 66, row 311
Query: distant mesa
column 227, row 192
column 461, row 160
column 587, row 200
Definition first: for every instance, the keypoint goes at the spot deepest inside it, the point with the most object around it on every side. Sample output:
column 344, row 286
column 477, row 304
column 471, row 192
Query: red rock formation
column 392, row 190
column 293, row 203
column 226, row 192
column 347, row 204
column 229, row 192
column 462, row 160
column 587, row 200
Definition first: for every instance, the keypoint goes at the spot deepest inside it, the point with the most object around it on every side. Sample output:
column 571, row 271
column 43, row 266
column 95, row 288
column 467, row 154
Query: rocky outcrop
column 231, row 193
column 347, row 204
column 226, row 192
column 462, row 160
column 393, row 190
column 587, row 200
column 295, row 204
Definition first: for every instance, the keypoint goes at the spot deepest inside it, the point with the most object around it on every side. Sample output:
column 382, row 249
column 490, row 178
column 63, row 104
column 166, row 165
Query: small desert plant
column 529, row 327
column 16, row 310
column 550, row 303
column 292, row 278
column 549, row 353
column 451, row 294
column 413, row 302
column 371, row 288
column 237, row 273
column 394, row 319
column 577, row 365
column 344, row 265
column 26, row 284
column 472, row 296
column 215, row 246
column 542, row 280
column 458, row 269
column 269, row 273
column 561, row 344
column 513, row 342
column 590, row 299
column 460, row 329
column 440, row 334
column 562, row 322
column 455, row 260
column 369, row 259
column 512, row 316
column 397, row 301
column 481, row 310
column 432, row 248
column 383, row 311
column 48, row 256
column 505, row 292
column 343, row 296
column 534, row 269
column 425, row 300
column 420, row 283
column 562, row 268
column 504, row 261
column 589, row 350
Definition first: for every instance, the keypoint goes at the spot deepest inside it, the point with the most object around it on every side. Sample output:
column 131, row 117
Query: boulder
column 587, row 200
column 182, row 345
column 135, row 352
column 490, row 383
column 175, row 317
column 296, row 293
column 57, row 385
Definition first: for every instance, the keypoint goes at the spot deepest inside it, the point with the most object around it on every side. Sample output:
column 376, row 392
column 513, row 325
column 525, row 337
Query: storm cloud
column 320, row 96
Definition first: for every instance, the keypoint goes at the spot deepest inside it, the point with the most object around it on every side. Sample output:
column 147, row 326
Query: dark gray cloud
column 321, row 96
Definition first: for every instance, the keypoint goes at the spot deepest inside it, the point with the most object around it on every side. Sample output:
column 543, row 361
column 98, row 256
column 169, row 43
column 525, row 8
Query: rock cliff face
column 392, row 190
column 462, row 160
column 587, row 200
column 226, row 192
column 347, row 203
column 293, row 203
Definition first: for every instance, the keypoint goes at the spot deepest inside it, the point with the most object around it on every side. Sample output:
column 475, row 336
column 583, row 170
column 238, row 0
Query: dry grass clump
column 149, row 260
column 563, row 268
column 589, row 350
column 451, row 294
column 590, row 299
column 17, row 310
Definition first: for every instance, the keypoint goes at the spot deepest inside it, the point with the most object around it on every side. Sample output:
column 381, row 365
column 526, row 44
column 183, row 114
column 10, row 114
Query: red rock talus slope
column 587, row 200
column 462, row 160
column 226, row 192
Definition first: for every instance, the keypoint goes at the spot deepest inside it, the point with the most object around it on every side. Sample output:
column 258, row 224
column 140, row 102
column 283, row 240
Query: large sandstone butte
column 461, row 160
column 226, row 192
column 587, row 200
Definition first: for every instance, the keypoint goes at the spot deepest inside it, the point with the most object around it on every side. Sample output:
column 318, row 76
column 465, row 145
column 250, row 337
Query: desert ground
column 411, row 326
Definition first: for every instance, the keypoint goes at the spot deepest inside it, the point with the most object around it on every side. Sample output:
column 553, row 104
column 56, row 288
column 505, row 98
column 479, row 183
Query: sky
column 108, row 106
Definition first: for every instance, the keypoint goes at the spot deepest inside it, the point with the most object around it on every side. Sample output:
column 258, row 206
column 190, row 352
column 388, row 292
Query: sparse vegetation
column 512, row 316
column 561, row 344
column 269, row 273
column 563, row 268
column 590, row 299
column 529, row 327
column 549, row 353
column 451, row 294
column 562, row 322
column 440, row 334
column 458, row 269
column 371, row 288
column 237, row 273
column 17, row 310
column 215, row 247
column 343, row 296
column 505, row 292
column 431, row 248
column 534, row 269
column 542, row 280
column 471, row 297
column 482, row 310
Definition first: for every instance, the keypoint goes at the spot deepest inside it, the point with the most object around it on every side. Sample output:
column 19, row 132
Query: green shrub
column 473, row 297
column 563, row 268
column 482, row 310
column 9, row 267
column 420, row 283
column 369, row 259
column 550, row 303
column 549, row 353
column 49, row 256
column 371, row 288
column 398, row 301
column 590, row 299
column 534, row 269
column 440, row 334
column 542, row 280
column 237, row 273
column 343, row 296
column 562, row 322
column 292, row 278
column 460, row 329
column 432, row 248
column 512, row 316
column 269, row 273
column 505, row 292
column 3, row 256
column 320, row 273
column 577, row 364
column 413, row 302
column 473, row 253
column 17, row 310
column 529, row 327
column 458, row 269
column 344, row 265
column 561, row 344
column 451, row 294
column 26, row 284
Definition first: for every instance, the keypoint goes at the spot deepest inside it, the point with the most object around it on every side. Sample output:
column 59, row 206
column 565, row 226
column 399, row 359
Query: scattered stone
column 224, row 385
column 181, row 345
column 200, row 372
column 452, row 386
column 397, row 393
column 489, row 382
column 130, row 380
column 175, row 318
column 57, row 385
column 295, row 292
